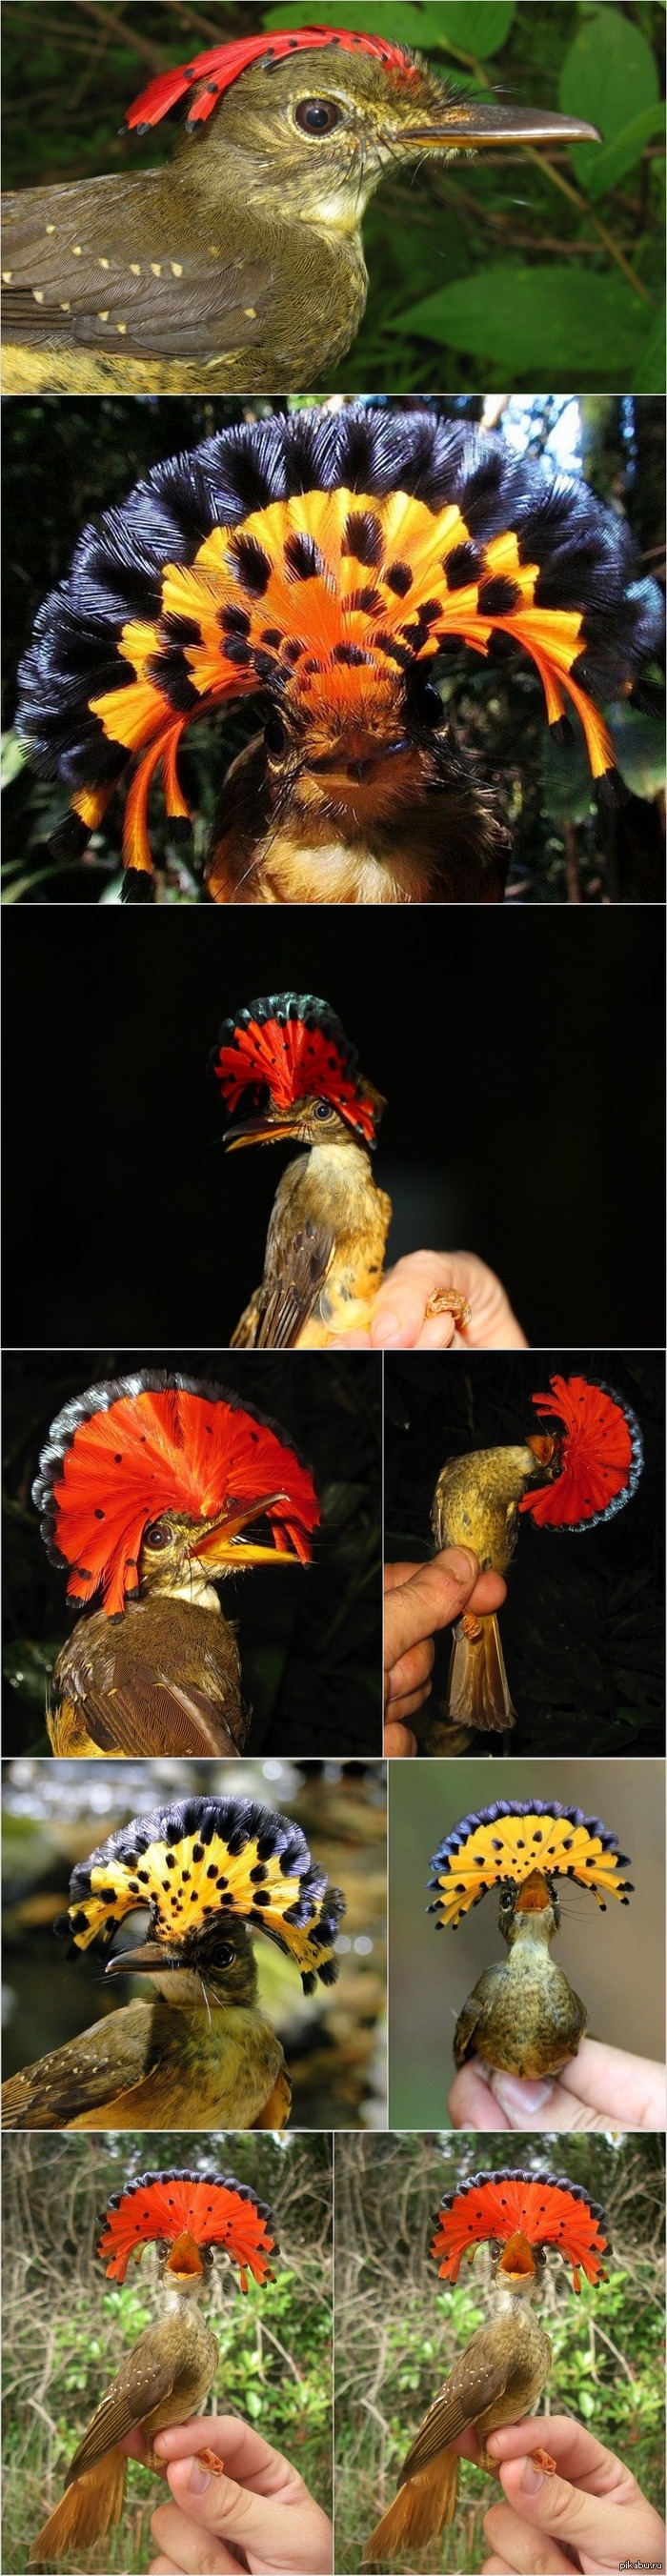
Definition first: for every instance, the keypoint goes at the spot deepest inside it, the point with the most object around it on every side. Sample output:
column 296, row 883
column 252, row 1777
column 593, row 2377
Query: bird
column 285, row 1057
column 592, row 1464
column 500, row 2375
column 322, row 568
column 240, row 263
column 149, row 1489
column 522, row 2016
column 201, row 2053
column 167, row 2375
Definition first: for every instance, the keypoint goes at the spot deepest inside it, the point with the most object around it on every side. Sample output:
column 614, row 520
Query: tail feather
column 478, row 1690
column 88, row 2510
column 422, row 2506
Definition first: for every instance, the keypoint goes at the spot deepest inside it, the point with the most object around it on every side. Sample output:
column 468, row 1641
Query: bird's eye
column 322, row 1109
column 223, row 1954
column 425, row 702
column 158, row 1534
column 317, row 115
column 274, row 734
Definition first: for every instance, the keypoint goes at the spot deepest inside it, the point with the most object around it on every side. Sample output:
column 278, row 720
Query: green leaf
column 639, row 744
column 649, row 376
column 552, row 319
column 610, row 165
column 609, row 77
column 474, row 26
column 12, row 758
column 470, row 26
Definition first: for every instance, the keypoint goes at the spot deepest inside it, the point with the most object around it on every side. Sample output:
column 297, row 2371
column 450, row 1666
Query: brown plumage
column 476, row 1504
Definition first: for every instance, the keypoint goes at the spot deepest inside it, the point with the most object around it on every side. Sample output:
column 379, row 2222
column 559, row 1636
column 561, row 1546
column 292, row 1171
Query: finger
column 588, row 2523
column 407, row 1707
column 434, row 1596
column 577, row 2453
column 246, row 2455
column 471, row 2104
column 523, row 2548
column 163, row 2567
column 351, row 1342
column 603, row 2077
column 262, row 2525
column 412, row 1670
column 496, row 2567
column 192, row 2551
column 399, row 1742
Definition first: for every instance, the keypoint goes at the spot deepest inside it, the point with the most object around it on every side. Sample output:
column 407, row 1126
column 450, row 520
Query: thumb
column 431, row 1598
column 267, row 2524
column 550, row 2504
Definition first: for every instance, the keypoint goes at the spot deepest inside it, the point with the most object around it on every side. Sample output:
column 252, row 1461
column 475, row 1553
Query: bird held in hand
column 593, row 1464
column 522, row 2016
column 167, row 2375
column 286, row 1058
column 500, row 2375
column 239, row 263
column 201, row 2054
column 151, row 1489
column 323, row 568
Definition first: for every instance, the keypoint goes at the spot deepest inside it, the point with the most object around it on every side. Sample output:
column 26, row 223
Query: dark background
column 520, row 1053
column 582, row 1627
column 77, row 458
column 309, row 1638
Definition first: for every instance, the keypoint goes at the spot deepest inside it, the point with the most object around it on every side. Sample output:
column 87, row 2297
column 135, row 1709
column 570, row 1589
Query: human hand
column 593, row 2505
column 601, row 2088
column 419, row 1599
column 257, row 2515
column 398, row 1320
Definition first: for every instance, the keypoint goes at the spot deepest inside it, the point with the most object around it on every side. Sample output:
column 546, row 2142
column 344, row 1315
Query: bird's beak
column 544, row 1447
column 475, row 124
column 252, row 1131
column 217, row 1543
column 148, row 1960
column 533, row 1896
column 518, row 2259
column 184, row 2262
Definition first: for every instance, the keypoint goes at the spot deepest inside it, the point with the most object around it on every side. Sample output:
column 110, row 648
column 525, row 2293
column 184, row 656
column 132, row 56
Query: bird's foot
column 211, row 2460
column 447, row 1301
column 543, row 2460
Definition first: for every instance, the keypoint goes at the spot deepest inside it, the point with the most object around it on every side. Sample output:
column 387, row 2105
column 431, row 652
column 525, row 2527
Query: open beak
column 476, row 124
column 218, row 1543
column 252, row 1131
column 518, row 2259
column 184, row 2263
column 545, row 1449
column 533, row 1896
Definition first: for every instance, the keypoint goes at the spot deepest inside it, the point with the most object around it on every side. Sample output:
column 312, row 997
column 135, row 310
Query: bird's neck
column 192, row 1585
column 335, row 1170
column 182, row 2300
column 225, row 169
column 531, row 1932
column 514, row 2298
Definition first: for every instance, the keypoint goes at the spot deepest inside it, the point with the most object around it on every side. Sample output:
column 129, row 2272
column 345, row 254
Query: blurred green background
column 310, row 1639
column 399, row 2328
column 615, row 1960
column 67, row 2328
column 539, row 266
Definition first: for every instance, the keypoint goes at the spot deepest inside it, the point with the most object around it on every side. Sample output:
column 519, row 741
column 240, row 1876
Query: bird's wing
column 474, row 2383
column 145, row 2378
column 109, row 2058
column 142, row 1712
column 305, row 1264
column 72, row 271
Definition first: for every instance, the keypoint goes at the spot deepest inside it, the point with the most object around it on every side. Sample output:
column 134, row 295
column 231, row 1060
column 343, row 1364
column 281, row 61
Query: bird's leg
column 542, row 2460
column 209, row 2460
column 447, row 1301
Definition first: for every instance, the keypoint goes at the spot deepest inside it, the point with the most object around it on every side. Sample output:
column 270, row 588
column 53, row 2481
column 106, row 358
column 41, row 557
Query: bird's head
column 323, row 112
column 518, row 2215
column 163, row 1484
column 286, row 1061
column 593, row 1461
column 530, row 1911
column 210, row 1871
column 188, row 2216
column 522, row 1846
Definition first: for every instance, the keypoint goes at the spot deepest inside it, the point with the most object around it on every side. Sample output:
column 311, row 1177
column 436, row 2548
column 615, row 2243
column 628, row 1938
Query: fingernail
column 199, row 2478
column 387, row 1331
column 516, row 2096
column 461, row 1564
column 532, row 2478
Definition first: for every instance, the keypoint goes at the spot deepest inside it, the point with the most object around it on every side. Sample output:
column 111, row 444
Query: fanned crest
column 317, row 562
column 289, row 1047
column 134, row 1447
column 224, row 64
column 213, row 2208
column 207, row 1858
column 551, row 2211
column 599, row 1452
column 503, row 1844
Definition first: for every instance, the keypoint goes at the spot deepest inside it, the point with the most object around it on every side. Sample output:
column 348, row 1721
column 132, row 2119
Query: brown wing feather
column 75, row 273
column 80, row 2076
column 144, row 1714
column 465, row 2397
column 144, row 2379
column 304, row 1269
